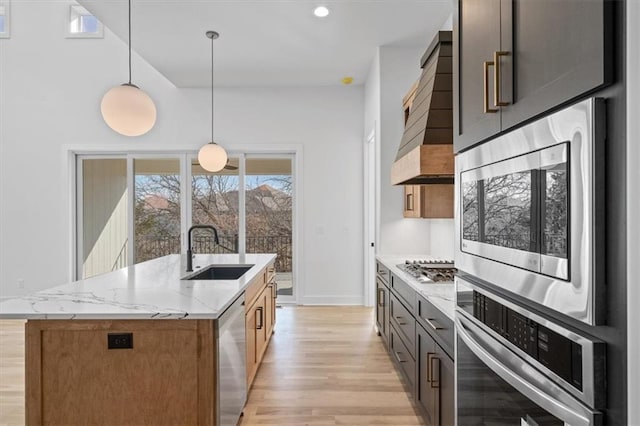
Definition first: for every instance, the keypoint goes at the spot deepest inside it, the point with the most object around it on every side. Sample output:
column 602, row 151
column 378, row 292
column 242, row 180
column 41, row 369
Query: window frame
column 5, row 10
column 74, row 153
column 76, row 11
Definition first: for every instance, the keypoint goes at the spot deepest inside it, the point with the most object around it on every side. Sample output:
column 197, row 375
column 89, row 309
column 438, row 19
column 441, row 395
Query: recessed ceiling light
column 347, row 80
column 321, row 11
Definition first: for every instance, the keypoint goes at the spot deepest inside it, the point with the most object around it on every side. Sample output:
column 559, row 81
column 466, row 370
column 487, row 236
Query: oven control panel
column 557, row 353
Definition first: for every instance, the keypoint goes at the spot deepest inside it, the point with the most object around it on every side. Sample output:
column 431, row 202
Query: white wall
column 372, row 123
column 50, row 91
column 633, row 209
column 328, row 123
column 399, row 69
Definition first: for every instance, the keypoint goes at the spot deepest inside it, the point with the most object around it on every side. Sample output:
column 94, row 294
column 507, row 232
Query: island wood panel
column 168, row 378
column 260, row 317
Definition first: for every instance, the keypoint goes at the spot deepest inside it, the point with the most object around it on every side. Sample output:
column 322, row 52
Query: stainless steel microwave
column 529, row 211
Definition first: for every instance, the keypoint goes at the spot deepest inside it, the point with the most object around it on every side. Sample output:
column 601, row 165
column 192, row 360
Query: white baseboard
column 333, row 300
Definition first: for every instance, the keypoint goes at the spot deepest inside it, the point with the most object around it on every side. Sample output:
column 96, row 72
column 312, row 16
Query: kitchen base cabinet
column 420, row 343
column 403, row 357
column 382, row 302
column 435, row 381
column 121, row 372
column 260, row 316
column 382, row 310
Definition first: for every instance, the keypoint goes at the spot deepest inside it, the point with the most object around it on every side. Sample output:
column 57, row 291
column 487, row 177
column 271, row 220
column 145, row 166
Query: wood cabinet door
column 250, row 330
column 270, row 308
column 411, row 201
column 427, row 392
column 559, row 51
column 476, row 38
column 260, row 324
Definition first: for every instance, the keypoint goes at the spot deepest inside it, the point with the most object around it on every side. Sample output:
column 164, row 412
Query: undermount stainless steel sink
column 219, row 272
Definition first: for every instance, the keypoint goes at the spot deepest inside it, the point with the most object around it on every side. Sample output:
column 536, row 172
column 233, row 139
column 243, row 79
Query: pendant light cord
column 212, row 90
column 129, row 41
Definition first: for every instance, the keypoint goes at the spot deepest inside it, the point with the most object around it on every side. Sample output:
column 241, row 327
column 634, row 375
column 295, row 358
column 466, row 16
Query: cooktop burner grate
column 432, row 270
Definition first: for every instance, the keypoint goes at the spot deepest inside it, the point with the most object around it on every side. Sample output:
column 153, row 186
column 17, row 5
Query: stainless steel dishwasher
column 232, row 366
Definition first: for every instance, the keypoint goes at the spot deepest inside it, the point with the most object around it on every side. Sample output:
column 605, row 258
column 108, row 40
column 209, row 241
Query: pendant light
column 212, row 157
column 126, row 108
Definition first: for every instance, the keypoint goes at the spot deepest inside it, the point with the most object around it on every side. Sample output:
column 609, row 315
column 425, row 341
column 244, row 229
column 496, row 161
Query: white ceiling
column 269, row 42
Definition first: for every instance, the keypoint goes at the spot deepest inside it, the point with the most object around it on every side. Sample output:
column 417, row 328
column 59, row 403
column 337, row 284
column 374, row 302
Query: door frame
column 370, row 185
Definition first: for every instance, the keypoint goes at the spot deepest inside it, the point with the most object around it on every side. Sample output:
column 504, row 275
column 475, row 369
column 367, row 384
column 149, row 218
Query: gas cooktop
column 429, row 271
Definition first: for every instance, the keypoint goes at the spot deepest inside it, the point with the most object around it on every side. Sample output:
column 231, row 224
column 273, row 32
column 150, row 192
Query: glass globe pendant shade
column 212, row 157
column 128, row 110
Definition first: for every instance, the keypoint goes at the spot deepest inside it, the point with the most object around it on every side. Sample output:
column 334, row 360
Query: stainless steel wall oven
column 529, row 215
column 517, row 368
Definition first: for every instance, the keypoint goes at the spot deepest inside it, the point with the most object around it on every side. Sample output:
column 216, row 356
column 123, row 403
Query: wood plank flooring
column 11, row 372
column 324, row 366
column 327, row 366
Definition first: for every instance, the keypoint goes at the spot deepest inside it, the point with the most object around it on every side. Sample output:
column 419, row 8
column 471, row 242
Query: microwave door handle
column 523, row 377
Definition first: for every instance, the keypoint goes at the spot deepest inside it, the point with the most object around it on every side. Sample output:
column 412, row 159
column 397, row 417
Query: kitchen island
column 138, row 345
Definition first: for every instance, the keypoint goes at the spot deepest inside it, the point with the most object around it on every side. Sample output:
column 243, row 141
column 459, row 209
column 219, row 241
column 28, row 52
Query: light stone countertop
column 148, row 290
column 442, row 295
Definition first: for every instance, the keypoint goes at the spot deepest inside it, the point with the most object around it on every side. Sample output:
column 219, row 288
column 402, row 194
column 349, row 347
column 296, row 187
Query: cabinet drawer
column 404, row 292
column 436, row 323
column 403, row 321
column 402, row 357
column 383, row 273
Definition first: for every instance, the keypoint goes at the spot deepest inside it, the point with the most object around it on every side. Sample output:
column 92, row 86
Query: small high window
column 83, row 24
column 4, row 20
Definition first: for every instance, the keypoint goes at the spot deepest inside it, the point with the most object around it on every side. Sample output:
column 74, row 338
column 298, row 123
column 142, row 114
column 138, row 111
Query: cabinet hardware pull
column 434, row 383
column 429, row 372
column 275, row 289
column 496, row 79
column 400, row 323
column 433, row 324
column 398, row 357
column 381, row 298
column 487, row 64
column 409, row 202
column 259, row 327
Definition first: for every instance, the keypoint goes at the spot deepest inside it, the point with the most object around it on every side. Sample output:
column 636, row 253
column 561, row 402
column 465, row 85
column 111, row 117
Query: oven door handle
column 523, row 377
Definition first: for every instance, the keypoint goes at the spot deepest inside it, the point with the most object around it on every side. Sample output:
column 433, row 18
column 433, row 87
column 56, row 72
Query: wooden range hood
column 426, row 155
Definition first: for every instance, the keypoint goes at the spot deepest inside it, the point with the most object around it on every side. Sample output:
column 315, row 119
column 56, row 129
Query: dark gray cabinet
column 419, row 338
column 517, row 59
column 435, row 384
column 403, row 355
column 435, row 379
column 382, row 301
column 382, row 309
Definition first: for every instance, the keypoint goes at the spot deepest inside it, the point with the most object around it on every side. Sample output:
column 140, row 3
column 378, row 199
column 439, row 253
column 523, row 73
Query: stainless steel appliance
column 514, row 367
column 529, row 211
column 231, row 371
column 429, row 271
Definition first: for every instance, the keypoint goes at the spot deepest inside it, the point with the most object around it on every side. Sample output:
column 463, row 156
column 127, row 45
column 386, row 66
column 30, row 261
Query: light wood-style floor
column 11, row 372
column 324, row 366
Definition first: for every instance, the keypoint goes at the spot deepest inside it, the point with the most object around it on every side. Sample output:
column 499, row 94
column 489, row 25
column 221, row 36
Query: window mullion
column 242, row 226
column 130, row 211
